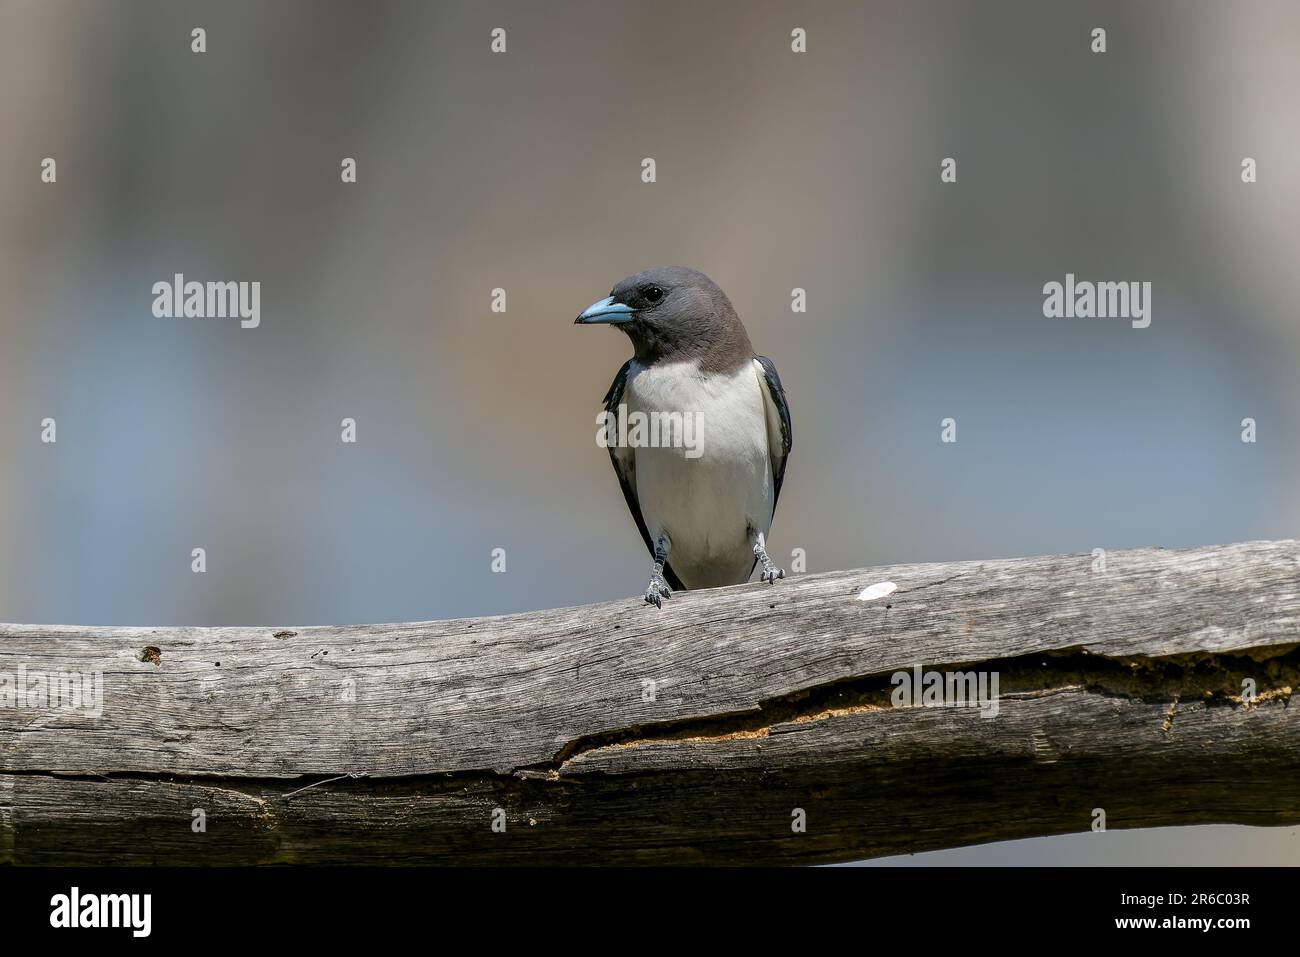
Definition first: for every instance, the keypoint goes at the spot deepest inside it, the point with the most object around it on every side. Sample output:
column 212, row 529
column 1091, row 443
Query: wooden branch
column 617, row 733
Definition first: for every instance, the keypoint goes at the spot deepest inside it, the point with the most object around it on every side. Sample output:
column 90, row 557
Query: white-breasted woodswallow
column 704, row 508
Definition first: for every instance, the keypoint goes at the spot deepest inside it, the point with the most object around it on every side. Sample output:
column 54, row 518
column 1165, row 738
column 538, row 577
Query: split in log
column 754, row 724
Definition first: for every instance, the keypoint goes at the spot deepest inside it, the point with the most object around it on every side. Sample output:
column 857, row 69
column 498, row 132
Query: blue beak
column 607, row 310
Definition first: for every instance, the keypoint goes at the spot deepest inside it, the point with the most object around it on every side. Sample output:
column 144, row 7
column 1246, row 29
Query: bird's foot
column 657, row 591
column 770, row 572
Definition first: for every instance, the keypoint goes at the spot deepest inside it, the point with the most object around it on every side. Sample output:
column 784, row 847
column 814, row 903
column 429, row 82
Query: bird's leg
column 658, row 589
column 770, row 572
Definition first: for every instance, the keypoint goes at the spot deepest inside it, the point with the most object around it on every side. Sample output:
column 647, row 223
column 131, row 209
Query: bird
column 703, row 511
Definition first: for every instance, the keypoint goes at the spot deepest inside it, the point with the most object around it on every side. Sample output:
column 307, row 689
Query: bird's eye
column 653, row 293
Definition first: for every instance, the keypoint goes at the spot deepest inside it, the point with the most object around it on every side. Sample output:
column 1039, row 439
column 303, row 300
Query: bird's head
column 673, row 313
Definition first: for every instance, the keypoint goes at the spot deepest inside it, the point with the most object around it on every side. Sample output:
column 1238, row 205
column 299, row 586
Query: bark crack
column 1213, row 679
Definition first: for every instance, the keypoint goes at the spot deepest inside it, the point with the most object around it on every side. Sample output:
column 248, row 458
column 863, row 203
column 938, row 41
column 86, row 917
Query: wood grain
column 618, row 733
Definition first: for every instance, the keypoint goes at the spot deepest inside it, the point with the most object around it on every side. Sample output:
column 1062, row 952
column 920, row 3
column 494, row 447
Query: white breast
column 707, row 504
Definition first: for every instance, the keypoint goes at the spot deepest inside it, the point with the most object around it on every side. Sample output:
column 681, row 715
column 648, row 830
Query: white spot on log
column 878, row 590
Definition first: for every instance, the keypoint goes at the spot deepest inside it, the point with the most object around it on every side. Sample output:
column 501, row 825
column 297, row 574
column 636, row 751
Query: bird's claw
column 657, row 591
column 770, row 572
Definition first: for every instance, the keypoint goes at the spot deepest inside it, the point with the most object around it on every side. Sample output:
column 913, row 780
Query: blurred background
column 522, row 171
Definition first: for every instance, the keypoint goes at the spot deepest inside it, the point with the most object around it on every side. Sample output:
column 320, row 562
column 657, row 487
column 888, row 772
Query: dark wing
column 624, row 461
column 780, row 437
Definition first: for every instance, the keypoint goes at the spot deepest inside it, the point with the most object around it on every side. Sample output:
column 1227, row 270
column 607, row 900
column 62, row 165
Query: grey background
column 522, row 171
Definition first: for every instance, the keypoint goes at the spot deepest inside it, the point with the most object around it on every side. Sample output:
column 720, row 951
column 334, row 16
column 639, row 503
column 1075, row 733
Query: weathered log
column 1152, row 684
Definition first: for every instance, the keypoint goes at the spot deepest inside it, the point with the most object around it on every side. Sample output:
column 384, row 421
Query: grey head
column 675, row 314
